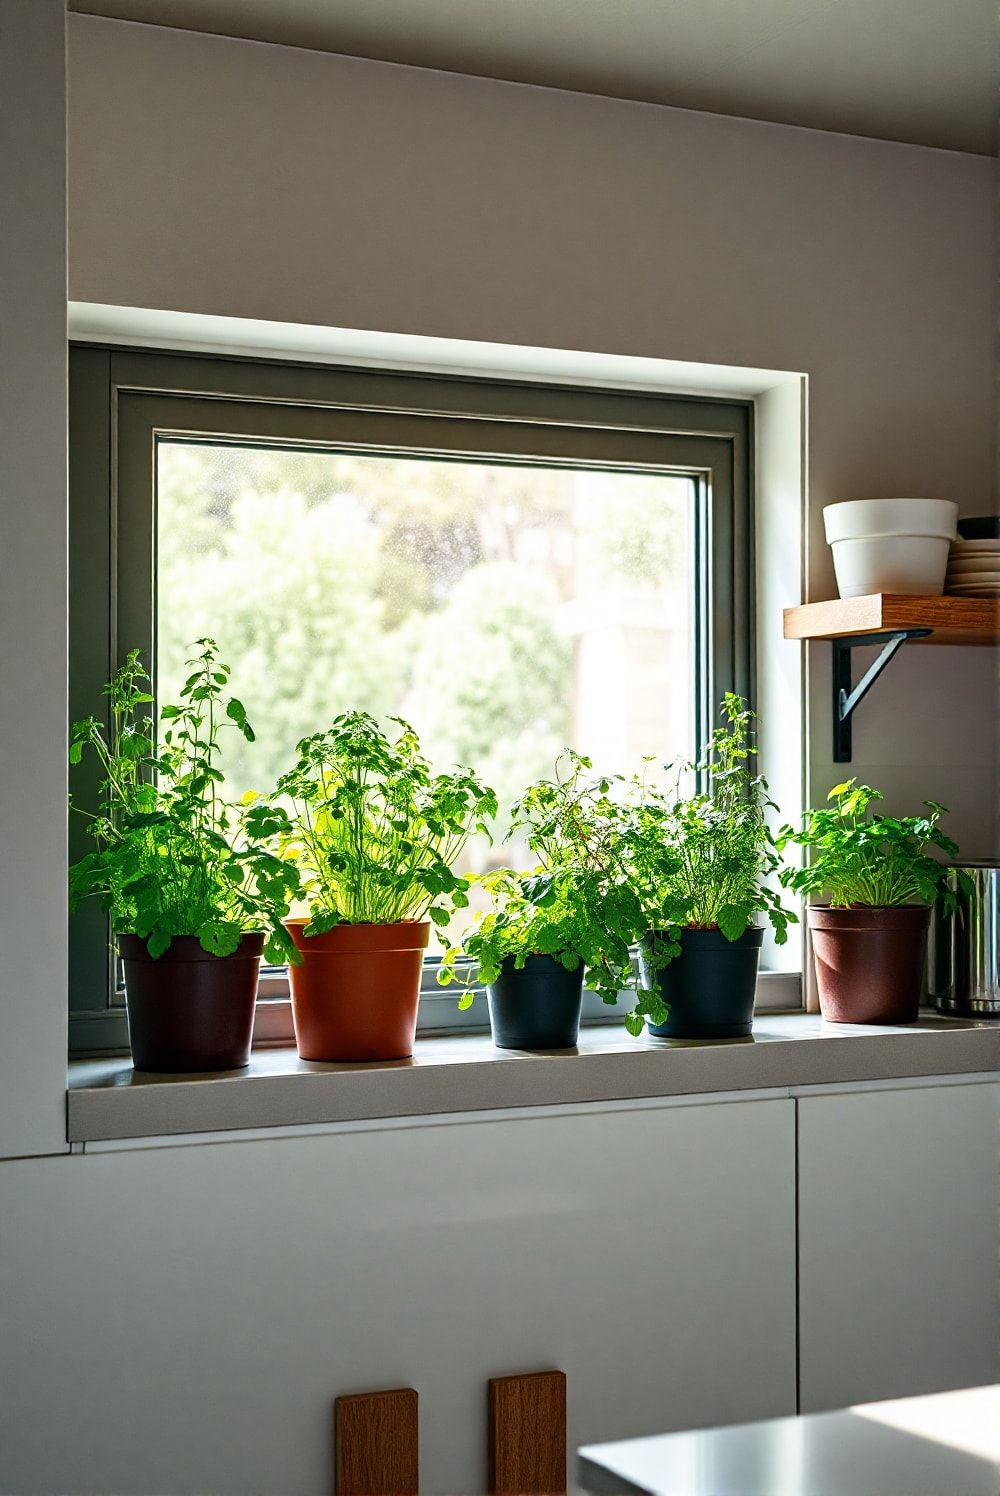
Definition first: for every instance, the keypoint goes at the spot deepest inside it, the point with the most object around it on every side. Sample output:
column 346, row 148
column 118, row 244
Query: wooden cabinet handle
column 375, row 1444
column 527, row 1435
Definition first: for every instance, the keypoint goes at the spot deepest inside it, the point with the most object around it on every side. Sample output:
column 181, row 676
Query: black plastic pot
column 187, row 1009
column 710, row 987
column 537, row 1007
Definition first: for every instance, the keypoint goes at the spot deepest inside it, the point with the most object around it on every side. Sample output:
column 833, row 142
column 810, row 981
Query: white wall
column 32, row 577
column 221, row 176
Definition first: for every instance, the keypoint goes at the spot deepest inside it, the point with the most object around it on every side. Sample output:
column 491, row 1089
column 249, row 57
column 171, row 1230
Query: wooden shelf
column 954, row 620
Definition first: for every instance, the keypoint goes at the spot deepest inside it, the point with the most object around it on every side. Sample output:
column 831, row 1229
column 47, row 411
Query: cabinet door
column 898, row 1242
column 181, row 1318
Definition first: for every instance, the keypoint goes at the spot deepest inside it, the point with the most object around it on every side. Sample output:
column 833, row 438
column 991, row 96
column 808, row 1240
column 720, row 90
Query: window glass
column 504, row 610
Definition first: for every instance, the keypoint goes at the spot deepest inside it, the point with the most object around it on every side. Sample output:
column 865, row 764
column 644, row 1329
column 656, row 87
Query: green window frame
column 123, row 401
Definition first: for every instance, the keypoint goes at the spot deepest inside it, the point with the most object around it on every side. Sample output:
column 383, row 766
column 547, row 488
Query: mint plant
column 170, row 856
column 373, row 830
column 557, row 913
column 576, row 905
column 862, row 858
column 573, row 822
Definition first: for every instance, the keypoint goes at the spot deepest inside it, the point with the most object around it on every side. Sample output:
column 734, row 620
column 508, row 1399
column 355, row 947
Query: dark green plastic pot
column 710, row 987
column 537, row 1007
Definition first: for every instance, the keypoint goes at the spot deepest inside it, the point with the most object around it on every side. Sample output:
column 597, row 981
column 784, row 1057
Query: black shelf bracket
column 845, row 696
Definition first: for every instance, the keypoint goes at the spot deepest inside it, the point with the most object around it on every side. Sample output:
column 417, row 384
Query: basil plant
column 170, row 855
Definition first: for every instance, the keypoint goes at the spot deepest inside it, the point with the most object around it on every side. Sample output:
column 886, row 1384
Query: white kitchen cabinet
column 181, row 1318
column 898, row 1242
column 185, row 1315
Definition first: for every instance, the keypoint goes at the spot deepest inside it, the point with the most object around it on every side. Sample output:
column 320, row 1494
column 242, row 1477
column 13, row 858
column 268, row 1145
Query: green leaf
column 157, row 942
column 140, row 819
column 280, row 948
column 236, row 712
column 322, row 921
column 733, row 920
column 220, row 937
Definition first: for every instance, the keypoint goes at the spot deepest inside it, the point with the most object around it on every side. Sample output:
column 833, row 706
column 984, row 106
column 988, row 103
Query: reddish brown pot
column 869, row 962
column 187, row 1009
column 356, row 993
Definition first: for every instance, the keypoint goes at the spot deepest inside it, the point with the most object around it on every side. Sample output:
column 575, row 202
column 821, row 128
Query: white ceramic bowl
column 891, row 545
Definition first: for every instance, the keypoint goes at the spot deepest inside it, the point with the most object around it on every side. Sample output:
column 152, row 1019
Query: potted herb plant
column 375, row 834
column 194, row 893
column 870, row 938
column 574, row 919
column 526, row 952
column 531, row 950
column 700, row 864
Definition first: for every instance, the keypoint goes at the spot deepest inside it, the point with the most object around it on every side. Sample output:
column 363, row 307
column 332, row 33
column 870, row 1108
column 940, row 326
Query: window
column 511, row 568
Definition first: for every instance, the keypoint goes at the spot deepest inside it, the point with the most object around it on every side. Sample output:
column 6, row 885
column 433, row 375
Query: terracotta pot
column 869, row 962
column 356, row 993
column 710, row 987
column 187, row 1009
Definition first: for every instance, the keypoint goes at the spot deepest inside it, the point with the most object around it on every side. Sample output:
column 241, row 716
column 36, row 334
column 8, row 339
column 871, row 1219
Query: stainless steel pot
column 963, row 965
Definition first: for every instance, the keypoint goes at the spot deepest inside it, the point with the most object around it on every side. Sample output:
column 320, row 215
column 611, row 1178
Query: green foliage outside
column 490, row 671
column 860, row 857
column 170, row 856
column 338, row 582
column 294, row 602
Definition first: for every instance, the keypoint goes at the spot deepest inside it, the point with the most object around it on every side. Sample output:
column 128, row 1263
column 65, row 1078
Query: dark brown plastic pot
column 355, row 995
column 187, row 1009
column 869, row 962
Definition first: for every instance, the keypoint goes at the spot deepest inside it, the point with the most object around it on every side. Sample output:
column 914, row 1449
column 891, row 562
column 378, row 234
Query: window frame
column 122, row 401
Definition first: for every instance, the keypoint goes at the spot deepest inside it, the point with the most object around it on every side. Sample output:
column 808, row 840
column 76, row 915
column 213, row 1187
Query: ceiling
column 926, row 71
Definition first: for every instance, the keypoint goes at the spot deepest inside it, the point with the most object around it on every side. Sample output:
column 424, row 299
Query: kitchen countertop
column 947, row 1444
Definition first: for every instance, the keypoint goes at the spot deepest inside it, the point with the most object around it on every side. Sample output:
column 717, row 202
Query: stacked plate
column 974, row 569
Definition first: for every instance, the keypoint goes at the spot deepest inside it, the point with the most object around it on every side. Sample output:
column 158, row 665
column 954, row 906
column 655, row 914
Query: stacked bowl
column 974, row 559
column 890, row 545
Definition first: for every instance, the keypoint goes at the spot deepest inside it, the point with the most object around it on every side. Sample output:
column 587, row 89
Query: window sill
column 104, row 1031
column 108, row 1100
